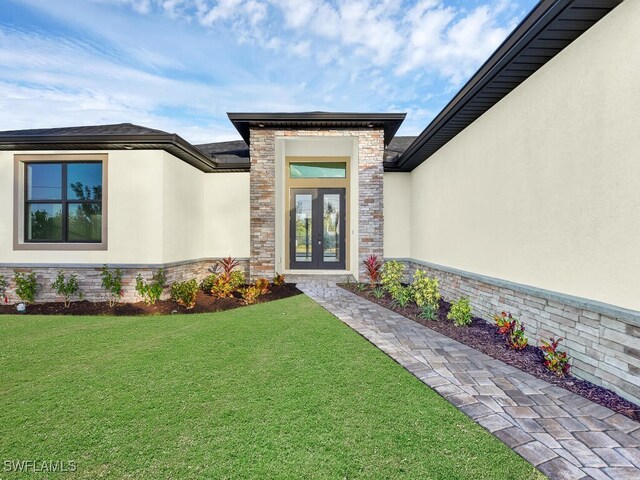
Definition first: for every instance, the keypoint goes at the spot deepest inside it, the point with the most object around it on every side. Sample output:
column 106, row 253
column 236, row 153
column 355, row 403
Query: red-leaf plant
column 373, row 267
column 227, row 265
column 505, row 322
column 513, row 329
column 557, row 362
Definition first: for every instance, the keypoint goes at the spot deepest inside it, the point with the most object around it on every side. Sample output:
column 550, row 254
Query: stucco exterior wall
column 161, row 210
column 397, row 215
column 543, row 189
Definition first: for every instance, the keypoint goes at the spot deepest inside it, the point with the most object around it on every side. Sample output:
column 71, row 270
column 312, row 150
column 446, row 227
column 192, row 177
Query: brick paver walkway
column 563, row 434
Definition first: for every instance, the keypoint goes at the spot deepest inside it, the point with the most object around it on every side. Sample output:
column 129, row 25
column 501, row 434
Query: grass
column 278, row 390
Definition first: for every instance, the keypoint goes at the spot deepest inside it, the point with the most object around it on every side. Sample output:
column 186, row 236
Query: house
column 523, row 193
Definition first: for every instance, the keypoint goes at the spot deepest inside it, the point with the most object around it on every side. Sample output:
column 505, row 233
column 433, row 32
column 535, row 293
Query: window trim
column 20, row 241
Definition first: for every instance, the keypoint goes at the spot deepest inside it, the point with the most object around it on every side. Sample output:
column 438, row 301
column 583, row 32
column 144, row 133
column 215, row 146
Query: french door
column 317, row 228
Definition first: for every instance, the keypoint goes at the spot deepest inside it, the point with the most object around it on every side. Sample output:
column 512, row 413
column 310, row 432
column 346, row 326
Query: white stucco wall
column 397, row 215
column 544, row 189
column 160, row 210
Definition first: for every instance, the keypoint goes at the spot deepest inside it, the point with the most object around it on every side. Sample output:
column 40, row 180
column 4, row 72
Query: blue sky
column 180, row 65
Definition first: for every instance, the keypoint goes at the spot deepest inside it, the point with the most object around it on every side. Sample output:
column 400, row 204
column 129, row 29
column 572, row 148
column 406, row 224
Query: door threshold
column 318, row 272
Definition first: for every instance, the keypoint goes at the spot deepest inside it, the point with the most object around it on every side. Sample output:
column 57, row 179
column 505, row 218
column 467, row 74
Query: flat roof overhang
column 173, row 144
column 550, row 27
column 389, row 122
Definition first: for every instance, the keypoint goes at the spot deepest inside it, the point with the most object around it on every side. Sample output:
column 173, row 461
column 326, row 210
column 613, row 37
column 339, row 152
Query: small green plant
column 428, row 312
column 237, row 279
column 557, row 362
column 360, row 287
column 250, row 294
column 26, row 286
column 278, row 280
column 4, row 285
column 373, row 265
column 426, row 291
column 67, row 288
column 151, row 291
column 112, row 283
column 391, row 276
column 184, row 293
column 207, row 284
column 378, row 292
column 402, row 297
column 460, row 312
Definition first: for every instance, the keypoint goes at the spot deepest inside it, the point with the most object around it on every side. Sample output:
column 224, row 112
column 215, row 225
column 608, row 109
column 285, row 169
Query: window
column 317, row 170
column 63, row 202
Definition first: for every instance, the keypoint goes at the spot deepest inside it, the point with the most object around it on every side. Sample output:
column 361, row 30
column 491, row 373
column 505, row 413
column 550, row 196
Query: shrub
column 250, row 294
column 222, row 287
column 378, row 292
column 373, row 265
column 555, row 361
column 513, row 329
column 391, row 276
column 151, row 291
column 112, row 283
column 516, row 338
column 207, row 284
column 402, row 297
column 263, row 285
column 504, row 322
column 4, row 285
column 460, row 312
column 278, row 279
column 426, row 291
column 236, row 279
column 26, row 286
column 67, row 288
column 428, row 312
column 184, row 293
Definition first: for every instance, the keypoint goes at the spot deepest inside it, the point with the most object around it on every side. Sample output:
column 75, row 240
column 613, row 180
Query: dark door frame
column 317, row 237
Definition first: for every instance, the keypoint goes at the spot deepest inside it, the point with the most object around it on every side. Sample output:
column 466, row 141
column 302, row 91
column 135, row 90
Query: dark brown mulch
column 204, row 303
column 484, row 337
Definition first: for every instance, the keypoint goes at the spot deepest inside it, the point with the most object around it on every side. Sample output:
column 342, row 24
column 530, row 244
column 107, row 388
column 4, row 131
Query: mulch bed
column 484, row 337
column 204, row 303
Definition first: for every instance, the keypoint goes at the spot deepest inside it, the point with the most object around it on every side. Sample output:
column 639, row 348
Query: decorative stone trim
column 602, row 340
column 90, row 280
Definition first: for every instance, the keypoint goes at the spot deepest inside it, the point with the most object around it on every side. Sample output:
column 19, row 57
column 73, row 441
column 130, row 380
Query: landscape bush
column 557, row 362
column 112, row 283
column 460, row 312
column 513, row 329
column 402, row 296
column 250, row 294
column 151, row 291
column 278, row 279
column 26, row 286
column 391, row 276
column 66, row 288
column 426, row 291
column 184, row 293
column 263, row 285
column 4, row 285
column 428, row 312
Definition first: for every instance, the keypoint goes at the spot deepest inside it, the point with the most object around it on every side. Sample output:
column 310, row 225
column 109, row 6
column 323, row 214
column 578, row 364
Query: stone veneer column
column 263, row 203
column 262, row 190
column 370, row 195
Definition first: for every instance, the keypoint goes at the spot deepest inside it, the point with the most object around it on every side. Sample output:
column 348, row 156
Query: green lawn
column 278, row 390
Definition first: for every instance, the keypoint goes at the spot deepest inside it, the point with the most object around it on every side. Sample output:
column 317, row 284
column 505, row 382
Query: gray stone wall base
column 602, row 340
column 90, row 279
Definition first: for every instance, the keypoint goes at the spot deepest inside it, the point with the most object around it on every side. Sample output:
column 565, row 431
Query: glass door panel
column 303, row 227
column 331, row 227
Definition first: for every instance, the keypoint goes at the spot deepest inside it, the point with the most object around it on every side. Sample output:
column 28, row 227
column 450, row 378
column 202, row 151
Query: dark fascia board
column 390, row 122
column 533, row 24
column 171, row 143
